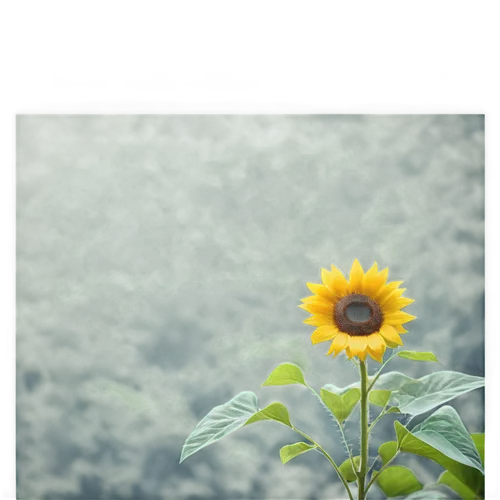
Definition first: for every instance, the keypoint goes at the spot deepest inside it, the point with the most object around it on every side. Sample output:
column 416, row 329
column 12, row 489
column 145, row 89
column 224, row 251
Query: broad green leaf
column 294, row 450
column 467, row 474
column 391, row 381
column 284, row 374
column 220, row 421
column 452, row 482
column 330, row 400
column 448, row 479
column 341, row 406
column 387, row 451
column 418, row 356
column 347, row 471
column 276, row 412
column 397, row 480
column 349, row 401
column 418, row 396
column 379, row 398
column 479, row 442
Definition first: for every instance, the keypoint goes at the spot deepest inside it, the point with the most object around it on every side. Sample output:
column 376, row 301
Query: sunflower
column 361, row 315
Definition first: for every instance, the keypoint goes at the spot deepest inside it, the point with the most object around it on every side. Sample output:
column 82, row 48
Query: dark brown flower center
column 357, row 314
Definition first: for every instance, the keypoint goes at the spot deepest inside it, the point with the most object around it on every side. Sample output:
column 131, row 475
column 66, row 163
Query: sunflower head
column 362, row 314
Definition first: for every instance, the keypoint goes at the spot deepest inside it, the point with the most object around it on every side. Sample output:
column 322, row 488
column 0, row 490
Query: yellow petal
column 316, row 299
column 376, row 347
column 390, row 334
column 398, row 318
column 339, row 343
column 400, row 329
column 383, row 275
column 324, row 333
column 358, row 346
column 340, row 281
column 328, row 281
column 319, row 320
column 386, row 290
column 373, row 271
column 394, row 304
column 369, row 279
column 405, row 301
column 394, row 295
column 374, row 285
column 320, row 290
column 317, row 308
column 356, row 277
column 362, row 355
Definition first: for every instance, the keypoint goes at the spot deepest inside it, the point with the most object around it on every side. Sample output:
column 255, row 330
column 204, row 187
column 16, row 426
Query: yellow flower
column 361, row 315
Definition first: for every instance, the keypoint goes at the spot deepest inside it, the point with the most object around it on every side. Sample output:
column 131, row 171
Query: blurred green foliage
column 158, row 258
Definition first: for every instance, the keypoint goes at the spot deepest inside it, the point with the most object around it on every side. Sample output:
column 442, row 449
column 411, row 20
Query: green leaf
column 346, row 469
column 418, row 396
column 440, row 438
column 379, row 398
column 461, row 489
column 387, row 451
column 276, row 412
column 284, row 374
column 294, row 450
column 397, row 480
column 418, row 356
column 394, row 409
column 479, row 442
column 220, row 421
column 448, row 479
column 341, row 406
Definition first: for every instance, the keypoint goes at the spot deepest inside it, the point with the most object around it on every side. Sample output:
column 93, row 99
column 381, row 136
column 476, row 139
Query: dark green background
column 160, row 262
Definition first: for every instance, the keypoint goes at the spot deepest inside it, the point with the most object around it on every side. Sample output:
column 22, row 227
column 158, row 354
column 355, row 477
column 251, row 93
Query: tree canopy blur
column 159, row 257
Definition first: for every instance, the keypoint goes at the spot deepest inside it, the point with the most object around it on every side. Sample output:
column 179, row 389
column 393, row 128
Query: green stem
column 328, row 457
column 364, row 430
column 382, row 413
column 370, row 469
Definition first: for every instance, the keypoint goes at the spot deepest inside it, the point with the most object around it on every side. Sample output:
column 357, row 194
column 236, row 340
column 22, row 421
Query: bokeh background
column 160, row 262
